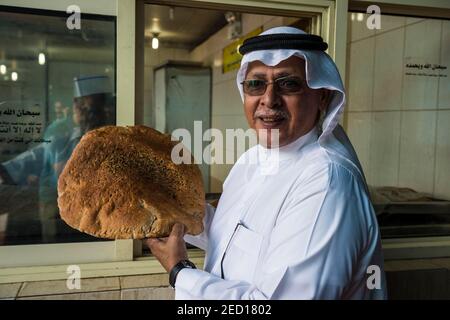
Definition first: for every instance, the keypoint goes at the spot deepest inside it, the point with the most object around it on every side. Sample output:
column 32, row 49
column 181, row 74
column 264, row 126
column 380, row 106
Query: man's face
column 293, row 115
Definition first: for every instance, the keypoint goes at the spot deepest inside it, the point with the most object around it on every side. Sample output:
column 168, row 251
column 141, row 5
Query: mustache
column 270, row 113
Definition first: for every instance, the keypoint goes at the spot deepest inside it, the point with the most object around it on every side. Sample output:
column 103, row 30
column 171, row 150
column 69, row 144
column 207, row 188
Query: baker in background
column 25, row 168
column 92, row 108
column 306, row 232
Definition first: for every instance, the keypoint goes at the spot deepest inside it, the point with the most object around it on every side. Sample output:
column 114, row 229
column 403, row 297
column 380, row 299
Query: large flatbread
column 121, row 183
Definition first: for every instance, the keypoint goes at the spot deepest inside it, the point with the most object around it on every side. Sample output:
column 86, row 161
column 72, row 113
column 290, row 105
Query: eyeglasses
column 288, row 85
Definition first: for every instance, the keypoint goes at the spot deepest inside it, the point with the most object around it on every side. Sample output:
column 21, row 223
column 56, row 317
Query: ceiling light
column 41, row 59
column 155, row 41
column 360, row 17
column 14, row 76
column 2, row 69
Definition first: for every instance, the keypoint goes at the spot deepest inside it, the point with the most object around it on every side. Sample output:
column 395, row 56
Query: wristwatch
column 177, row 268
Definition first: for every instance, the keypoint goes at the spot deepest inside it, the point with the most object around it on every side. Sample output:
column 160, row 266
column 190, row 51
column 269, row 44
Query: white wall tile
column 409, row 163
column 148, row 104
column 182, row 54
column 384, row 149
column 444, row 82
column 442, row 175
column 360, row 74
column 226, row 99
column 286, row 21
column 357, row 30
column 217, row 68
column 164, row 55
column 150, row 56
column 390, row 22
column 417, row 151
column 411, row 20
column 148, row 77
column 420, row 92
column 358, row 130
column 388, row 70
column 275, row 22
column 215, row 43
column 266, row 18
column 198, row 53
column 251, row 21
column 429, row 33
column 219, row 76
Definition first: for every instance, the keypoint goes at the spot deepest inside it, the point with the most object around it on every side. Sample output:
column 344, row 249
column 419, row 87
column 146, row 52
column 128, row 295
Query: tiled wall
column 406, row 279
column 400, row 124
column 140, row 287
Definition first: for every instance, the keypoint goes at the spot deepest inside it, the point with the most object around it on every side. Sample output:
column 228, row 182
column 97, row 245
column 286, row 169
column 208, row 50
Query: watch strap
column 177, row 268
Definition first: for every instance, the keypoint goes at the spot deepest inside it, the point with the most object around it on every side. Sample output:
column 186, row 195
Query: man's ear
column 325, row 98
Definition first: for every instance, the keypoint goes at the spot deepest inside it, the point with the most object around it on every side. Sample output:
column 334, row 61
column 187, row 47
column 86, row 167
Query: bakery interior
column 170, row 63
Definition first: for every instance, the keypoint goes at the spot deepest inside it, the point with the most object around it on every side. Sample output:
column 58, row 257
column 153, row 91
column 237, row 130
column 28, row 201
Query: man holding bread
column 306, row 232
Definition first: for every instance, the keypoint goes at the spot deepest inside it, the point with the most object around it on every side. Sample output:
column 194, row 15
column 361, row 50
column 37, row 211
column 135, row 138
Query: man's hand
column 169, row 251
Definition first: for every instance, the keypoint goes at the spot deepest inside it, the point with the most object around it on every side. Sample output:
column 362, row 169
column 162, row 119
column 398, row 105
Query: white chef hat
column 321, row 72
column 89, row 85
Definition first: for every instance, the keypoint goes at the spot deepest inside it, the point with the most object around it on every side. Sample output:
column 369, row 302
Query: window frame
column 30, row 256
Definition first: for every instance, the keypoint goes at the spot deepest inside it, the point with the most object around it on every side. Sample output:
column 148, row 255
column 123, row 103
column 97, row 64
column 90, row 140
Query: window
column 55, row 85
column 398, row 116
column 43, row 259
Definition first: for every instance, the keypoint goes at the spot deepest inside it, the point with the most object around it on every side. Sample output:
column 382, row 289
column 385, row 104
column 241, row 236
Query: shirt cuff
column 187, row 278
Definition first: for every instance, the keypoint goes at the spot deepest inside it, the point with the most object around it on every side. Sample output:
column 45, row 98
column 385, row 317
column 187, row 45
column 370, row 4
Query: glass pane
column 55, row 85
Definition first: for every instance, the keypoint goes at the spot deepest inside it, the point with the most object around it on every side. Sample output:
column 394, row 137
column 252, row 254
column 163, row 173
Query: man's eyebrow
column 262, row 75
column 257, row 75
column 283, row 74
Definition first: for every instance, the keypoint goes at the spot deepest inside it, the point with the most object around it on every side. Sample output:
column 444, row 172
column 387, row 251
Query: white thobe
column 306, row 232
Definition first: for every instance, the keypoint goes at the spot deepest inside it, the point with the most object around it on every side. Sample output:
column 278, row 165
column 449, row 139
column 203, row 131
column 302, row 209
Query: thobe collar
column 288, row 151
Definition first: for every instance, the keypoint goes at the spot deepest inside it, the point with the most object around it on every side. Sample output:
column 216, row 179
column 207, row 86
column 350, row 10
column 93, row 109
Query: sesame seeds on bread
column 120, row 183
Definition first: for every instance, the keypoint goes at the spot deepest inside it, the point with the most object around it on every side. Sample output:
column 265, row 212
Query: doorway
column 191, row 61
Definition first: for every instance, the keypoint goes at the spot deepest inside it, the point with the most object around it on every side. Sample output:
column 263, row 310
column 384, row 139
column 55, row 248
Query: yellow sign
column 231, row 57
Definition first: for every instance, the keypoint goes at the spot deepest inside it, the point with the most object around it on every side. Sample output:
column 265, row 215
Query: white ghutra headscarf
column 321, row 72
